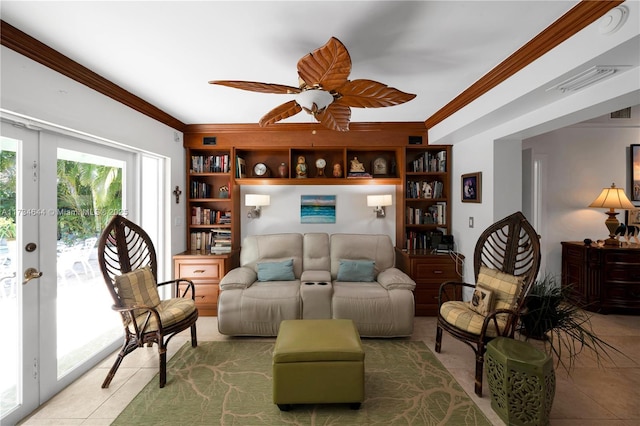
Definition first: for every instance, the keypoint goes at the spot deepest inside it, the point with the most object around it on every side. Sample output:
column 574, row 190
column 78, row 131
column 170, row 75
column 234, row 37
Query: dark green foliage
column 553, row 314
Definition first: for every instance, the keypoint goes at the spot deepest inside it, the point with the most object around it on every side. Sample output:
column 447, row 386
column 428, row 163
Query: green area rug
column 229, row 383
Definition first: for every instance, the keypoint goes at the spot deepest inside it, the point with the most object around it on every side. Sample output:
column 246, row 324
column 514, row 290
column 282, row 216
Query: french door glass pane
column 10, row 314
column 89, row 192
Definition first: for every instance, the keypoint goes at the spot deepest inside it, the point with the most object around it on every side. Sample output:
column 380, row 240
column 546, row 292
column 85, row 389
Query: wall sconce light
column 612, row 198
column 379, row 201
column 256, row 201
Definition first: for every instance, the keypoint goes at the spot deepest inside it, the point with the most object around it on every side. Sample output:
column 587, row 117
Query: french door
column 57, row 192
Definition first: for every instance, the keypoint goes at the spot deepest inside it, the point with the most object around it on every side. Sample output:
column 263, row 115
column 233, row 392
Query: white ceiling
column 166, row 51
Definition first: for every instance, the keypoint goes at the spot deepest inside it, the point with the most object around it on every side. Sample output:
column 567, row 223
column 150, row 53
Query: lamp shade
column 612, row 198
column 379, row 200
column 257, row 200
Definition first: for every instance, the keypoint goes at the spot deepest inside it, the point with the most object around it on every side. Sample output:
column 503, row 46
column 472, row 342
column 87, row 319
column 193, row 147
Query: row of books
column 433, row 214
column 206, row 216
column 213, row 241
column 424, row 189
column 210, row 163
column 430, row 162
column 199, row 190
column 423, row 240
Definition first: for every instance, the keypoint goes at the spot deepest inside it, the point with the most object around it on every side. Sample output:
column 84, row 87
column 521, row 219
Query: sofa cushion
column 378, row 248
column 356, row 270
column 138, row 288
column 506, row 288
column 459, row 314
column 272, row 248
column 276, row 271
column 481, row 300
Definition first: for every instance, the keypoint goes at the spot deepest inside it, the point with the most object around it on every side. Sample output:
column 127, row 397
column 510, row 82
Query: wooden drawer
column 621, row 296
column 619, row 274
column 211, row 271
column 206, row 298
column 423, row 270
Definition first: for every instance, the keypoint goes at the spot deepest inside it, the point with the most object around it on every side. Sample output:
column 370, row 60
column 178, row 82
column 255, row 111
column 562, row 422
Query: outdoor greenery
column 88, row 195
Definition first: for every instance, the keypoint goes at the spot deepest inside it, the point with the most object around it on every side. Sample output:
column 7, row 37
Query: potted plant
column 555, row 316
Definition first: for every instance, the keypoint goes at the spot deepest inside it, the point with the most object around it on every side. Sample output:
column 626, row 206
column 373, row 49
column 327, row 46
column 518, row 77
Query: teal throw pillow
column 356, row 270
column 276, row 271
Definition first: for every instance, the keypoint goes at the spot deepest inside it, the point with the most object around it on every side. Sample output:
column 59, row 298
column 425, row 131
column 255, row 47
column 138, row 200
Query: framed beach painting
column 317, row 209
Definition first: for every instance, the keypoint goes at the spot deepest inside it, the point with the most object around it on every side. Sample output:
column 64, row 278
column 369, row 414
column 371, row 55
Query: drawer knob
column 199, row 271
column 438, row 272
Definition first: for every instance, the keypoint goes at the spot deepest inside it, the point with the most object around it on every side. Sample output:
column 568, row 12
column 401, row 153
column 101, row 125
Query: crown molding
column 580, row 16
column 34, row 49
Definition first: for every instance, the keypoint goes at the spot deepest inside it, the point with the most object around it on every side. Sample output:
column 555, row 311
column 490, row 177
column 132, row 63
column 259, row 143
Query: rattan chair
column 126, row 251
column 510, row 246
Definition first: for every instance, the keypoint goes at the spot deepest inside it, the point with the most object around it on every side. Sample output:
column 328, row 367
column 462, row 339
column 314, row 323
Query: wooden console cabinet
column 206, row 271
column 606, row 279
column 429, row 270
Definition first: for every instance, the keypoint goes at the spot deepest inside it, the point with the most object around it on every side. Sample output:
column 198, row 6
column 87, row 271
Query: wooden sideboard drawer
column 620, row 274
column 605, row 278
column 622, row 295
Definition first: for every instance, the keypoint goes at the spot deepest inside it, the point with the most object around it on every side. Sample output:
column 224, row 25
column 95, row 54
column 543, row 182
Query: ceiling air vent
column 623, row 113
column 587, row 78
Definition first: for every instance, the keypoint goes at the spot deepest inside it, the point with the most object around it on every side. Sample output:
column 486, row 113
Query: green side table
column 521, row 380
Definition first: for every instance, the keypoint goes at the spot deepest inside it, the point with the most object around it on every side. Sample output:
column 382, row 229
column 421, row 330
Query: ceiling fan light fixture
column 318, row 97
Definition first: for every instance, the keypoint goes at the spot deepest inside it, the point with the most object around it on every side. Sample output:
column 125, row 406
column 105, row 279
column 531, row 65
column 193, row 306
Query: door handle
column 30, row 274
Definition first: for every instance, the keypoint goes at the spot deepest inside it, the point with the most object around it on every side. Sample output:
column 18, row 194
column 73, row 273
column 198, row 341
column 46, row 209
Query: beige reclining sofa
column 316, row 276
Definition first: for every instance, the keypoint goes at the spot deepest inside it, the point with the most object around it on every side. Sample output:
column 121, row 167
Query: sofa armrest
column 241, row 277
column 394, row 278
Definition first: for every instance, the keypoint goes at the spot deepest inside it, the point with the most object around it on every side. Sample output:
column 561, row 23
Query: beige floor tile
column 588, row 396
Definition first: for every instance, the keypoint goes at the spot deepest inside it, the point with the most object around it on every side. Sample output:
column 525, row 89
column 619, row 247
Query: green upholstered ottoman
column 318, row 361
column 521, row 380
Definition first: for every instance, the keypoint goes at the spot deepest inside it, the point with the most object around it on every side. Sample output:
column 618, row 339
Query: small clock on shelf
column 380, row 166
column 261, row 170
column 321, row 163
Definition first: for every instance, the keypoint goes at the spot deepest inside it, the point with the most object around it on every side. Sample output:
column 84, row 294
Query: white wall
column 487, row 134
column 579, row 161
column 30, row 89
column 352, row 213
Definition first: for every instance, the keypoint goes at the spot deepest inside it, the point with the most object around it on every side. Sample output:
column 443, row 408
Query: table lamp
column 612, row 198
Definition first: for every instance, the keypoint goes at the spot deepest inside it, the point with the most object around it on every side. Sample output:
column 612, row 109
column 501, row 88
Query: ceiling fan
column 324, row 89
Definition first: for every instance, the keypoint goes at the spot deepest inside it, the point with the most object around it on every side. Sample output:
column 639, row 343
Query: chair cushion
column 171, row 311
column 138, row 288
column 276, row 271
column 356, row 271
column 460, row 315
column 481, row 300
column 506, row 288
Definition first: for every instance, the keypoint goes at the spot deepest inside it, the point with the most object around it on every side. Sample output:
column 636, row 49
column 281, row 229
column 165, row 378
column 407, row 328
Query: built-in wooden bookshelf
column 427, row 212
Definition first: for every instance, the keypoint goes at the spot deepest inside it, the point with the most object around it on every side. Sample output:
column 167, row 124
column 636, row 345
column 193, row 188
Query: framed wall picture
column 635, row 172
column 318, row 209
column 472, row 187
column 633, row 217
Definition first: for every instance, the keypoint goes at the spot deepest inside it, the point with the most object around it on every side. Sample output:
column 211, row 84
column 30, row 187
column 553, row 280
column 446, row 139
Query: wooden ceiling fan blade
column 335, row 117
column 280, row 112
column 255, row 86
column 371, row 94
column 328, row 66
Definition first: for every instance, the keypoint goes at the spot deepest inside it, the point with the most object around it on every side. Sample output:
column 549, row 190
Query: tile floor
column 604, row 396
